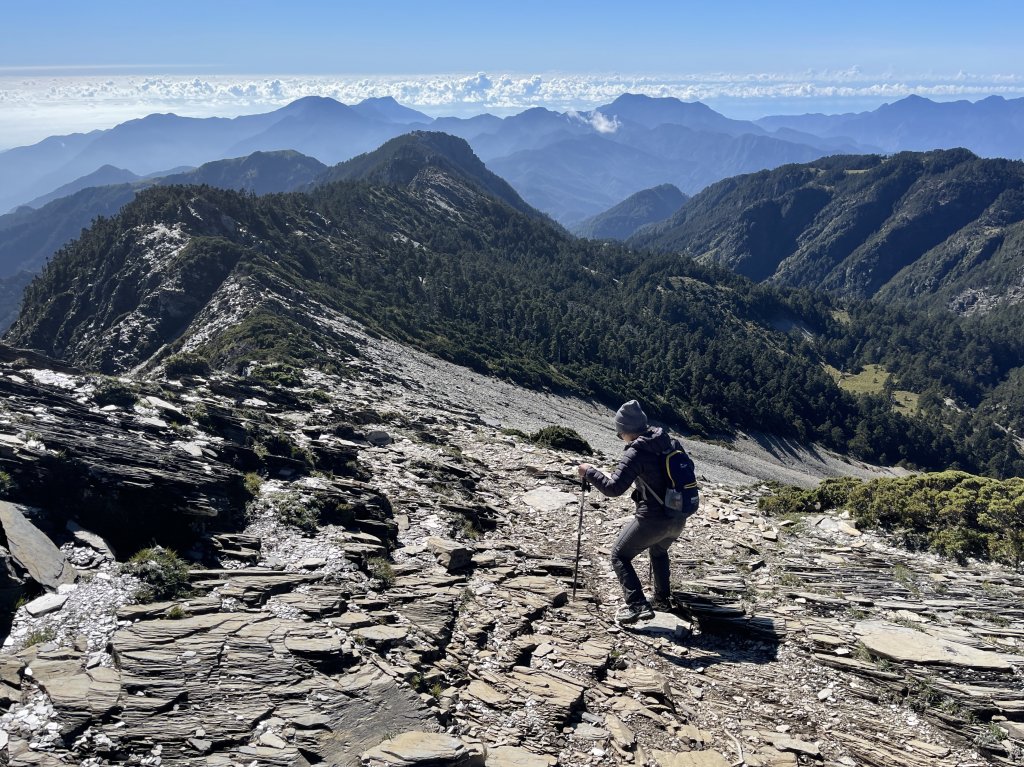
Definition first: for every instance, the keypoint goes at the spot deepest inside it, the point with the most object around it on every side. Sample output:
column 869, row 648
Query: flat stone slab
column 512, row 756
column 549, row 688
column 485, row 693
column 624, row 736
column 381, row 635
column 301, row 645
column 690, row 759
column 422, row 748
column 546, row 498
column 47, row 603
column 547, row 589
column 786, row 743
column 664, row 625
column 909, row 646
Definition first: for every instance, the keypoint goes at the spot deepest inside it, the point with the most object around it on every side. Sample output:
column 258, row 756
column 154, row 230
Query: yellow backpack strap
column 668, row 465
column 668, row 470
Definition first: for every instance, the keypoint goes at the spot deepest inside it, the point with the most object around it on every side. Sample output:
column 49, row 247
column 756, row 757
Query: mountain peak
column 641, row 99
column 402, row 161
column 314, row 105
column 622, row 221
column 652, row 111
column 387, row 109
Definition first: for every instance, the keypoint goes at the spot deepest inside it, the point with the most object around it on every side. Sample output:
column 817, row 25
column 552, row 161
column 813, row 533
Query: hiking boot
column 634, row 613
column 663, row 604
column 670, row 605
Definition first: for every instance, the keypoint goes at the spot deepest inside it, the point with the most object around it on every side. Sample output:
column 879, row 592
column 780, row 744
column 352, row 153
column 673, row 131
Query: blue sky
column 68, row 65
column 257, row 36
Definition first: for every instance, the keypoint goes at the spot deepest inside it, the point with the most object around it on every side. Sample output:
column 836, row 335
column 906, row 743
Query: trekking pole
column 579, row 538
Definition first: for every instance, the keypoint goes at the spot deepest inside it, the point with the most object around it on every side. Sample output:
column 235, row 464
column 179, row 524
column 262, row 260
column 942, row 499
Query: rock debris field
column 428, row 617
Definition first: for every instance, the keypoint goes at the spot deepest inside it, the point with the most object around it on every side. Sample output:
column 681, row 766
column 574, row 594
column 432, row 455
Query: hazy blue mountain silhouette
column 107, row 175
column 991, row 127
column 651, row 112
column 582, row 176
column 386, row 109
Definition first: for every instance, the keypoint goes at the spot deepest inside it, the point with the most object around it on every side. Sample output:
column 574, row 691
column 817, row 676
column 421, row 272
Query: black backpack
column 681, row 493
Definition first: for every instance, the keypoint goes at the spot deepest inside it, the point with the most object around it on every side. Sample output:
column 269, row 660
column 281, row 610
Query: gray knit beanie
column 630, row 419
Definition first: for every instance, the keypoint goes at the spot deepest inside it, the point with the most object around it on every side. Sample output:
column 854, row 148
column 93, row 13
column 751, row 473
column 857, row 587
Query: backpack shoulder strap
column 647, row 489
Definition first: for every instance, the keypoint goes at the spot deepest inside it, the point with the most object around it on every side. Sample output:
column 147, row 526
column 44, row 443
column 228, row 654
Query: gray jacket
column 641, row 458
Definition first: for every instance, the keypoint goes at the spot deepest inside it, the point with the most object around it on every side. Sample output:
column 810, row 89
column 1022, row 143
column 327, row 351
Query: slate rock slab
column 513, row 756
column 546, row 498
column 450, row 554
column 31, row 549
column 381, row 636
column 690, row 759
column 47, row 603
column 909, row 646
column 423, row 749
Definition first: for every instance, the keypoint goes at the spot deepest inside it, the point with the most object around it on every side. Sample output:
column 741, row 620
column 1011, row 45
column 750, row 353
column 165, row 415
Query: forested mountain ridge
column 621, row 221
column 935, row 229
column 237, row 279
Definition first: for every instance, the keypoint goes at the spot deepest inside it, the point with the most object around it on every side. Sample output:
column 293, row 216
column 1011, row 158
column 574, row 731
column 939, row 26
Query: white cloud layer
column 39, row 105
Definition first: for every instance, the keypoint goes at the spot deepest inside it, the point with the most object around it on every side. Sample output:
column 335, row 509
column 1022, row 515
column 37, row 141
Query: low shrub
column 381, row 569
column 298, row 514
column 40, row 635
column 110, row 391
column 280, row 444
column 952, row 513
column 186, row 364
column 252, row 482
column 163, row 573
column 785, row 500
column 561, row 438
column 6, row 484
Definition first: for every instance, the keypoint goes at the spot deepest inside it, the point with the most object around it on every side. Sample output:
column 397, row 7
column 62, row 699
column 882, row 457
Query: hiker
column 653, row 526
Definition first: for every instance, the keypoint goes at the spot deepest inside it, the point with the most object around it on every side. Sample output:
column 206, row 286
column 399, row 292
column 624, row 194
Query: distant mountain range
column 319, row 127
column 28, row 236
column 620, row 222
column 992, row 127
column 936, row 229
column 570, row 165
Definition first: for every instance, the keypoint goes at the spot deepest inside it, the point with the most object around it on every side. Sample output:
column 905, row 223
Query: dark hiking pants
column 655, row 531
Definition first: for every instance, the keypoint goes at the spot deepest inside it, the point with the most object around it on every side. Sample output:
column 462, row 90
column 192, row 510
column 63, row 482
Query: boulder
column 33, row 550
column 378, row 438
column 450, row 554
column 84, row 537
